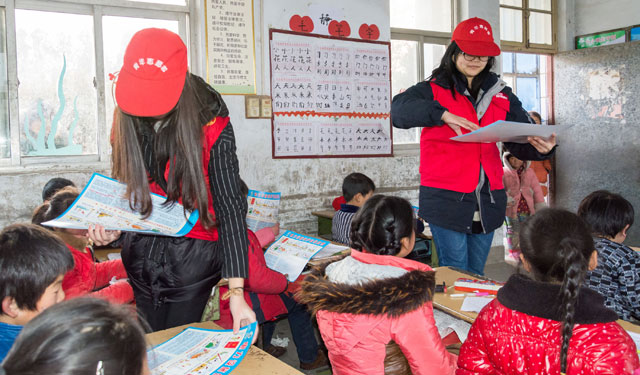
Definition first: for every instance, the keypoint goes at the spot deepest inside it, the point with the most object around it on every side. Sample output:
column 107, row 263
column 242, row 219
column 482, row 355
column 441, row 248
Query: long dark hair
column 381, row 223
column 79, row 336
column 447, row 69
column 178, row 139
column 557, row 245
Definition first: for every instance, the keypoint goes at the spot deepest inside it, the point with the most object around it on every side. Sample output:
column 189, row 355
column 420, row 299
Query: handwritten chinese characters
column 330, row 97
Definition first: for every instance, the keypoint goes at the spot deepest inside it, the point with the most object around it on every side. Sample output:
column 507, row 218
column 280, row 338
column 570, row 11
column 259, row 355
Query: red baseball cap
column 153, row 73
column 475, row 37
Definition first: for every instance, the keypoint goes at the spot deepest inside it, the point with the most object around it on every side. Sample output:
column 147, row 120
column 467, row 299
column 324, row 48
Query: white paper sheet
column 329, row 250
column 636, row 338
column 291, row 252
column 509, row 131
column 475, row 304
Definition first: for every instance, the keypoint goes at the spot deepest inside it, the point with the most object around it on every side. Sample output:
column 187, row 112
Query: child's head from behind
column 80, row 336
column 608, row 214
column 357, row 188
column 53, row 186
column 32, row 264
column 384, row 225
column 536, row 117
column 514, row 161
column 557, row 247
column 55, row 207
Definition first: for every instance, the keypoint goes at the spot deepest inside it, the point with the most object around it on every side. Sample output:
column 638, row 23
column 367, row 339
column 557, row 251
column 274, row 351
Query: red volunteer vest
column 211, row 132
column 452, row 165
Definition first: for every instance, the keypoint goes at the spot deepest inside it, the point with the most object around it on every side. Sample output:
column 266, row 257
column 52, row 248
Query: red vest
column 211, row 131
column 452, row 165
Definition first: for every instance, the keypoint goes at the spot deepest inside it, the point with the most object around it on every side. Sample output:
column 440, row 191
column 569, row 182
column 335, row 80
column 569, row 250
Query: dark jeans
column 301, row 330
column 462, row 250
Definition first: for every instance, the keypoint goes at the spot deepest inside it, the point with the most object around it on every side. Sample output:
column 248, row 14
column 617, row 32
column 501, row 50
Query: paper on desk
column 114, row 256
column 447, row 324
column 636, row 338
column 201, row 351
column 509, row 131
column 475, row 304
column 329, row 250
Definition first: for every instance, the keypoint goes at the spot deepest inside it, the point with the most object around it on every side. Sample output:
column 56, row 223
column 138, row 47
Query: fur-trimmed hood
column 386, row 296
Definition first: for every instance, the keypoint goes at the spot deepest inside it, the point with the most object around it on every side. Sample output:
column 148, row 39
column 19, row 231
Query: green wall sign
column 602, row 39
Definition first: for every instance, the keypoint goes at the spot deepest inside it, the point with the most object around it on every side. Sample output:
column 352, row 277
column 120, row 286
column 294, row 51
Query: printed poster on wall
column 331, row 96
column 230, row 46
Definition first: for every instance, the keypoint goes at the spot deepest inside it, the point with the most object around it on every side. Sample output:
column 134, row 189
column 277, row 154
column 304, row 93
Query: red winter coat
column 520, row 333
column 383, row 325
column 89, row 277
column 263, row 285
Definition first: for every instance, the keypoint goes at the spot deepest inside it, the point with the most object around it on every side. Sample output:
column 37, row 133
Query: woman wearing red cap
column 461, row 193
column 172, row 136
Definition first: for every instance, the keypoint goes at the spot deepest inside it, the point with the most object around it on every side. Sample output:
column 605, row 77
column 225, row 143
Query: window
column 528, row 25
column 420, row 32
column 528, row 76
column 60, row 108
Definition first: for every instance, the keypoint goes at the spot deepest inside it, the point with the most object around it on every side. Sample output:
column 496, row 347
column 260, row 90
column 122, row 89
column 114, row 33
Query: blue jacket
column 8, row 334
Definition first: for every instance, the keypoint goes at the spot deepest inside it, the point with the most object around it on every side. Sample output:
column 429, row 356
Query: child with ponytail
column 374, row 307
column 550, row 323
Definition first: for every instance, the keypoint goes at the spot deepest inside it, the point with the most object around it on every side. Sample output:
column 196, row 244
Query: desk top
column 103, row 254
column 443, row 302
column 256, row 361
column 327, row 214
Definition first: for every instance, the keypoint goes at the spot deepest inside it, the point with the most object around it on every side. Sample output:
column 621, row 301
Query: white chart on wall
column 331, row 96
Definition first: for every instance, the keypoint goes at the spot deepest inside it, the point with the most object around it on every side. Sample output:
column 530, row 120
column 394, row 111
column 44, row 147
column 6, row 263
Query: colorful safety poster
column 199, row 351
column 291, row 252
column 263, row 209
column 103, row 202
column 510, row 131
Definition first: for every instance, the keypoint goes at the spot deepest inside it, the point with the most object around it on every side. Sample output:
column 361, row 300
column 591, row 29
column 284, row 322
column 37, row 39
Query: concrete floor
column 495, row 268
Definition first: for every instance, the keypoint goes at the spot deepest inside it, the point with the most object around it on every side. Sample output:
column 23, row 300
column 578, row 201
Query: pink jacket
column 364, row 324
column 526, row 186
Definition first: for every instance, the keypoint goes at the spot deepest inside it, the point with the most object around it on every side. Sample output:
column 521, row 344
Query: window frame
column 421, row 37
column 98, row 9
column 525, row 45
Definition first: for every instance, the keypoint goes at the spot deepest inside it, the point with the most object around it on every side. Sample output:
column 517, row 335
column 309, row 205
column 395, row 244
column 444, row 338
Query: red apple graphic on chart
column 303, row 24
column 340, row 29
column 370, row 32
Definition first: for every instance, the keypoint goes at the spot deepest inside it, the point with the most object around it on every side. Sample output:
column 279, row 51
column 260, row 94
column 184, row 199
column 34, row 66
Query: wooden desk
column 256, row 361
column 325, row 218
column 443, row 301
column 451, row 306
column 103, row 254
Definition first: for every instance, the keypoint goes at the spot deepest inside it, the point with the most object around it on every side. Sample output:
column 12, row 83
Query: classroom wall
column 596, row 91
column 597, row 15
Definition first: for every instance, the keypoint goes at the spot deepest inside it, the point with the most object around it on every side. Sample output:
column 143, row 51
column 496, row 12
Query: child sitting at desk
column 617, row 277
column 356, row 189
column 81, row 336
column 87, row 276
column 550, row 324
column 374, row 307
column 32, row 264
column 270, row 295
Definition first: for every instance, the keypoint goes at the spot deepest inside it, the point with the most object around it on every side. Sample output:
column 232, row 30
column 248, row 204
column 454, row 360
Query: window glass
column 515, row 3
column 510, row 25
column 528, row 93
column 540, row 28
column 56, row 95
column 431, row 15
column 527, row 63
column 540, row 4
column 432, row 56
column 5, row 135
column 117, row 32
column 507, row 62
column 404, row 74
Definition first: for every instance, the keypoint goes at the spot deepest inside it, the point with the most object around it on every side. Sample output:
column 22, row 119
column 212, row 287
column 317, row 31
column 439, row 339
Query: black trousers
column 171, row 277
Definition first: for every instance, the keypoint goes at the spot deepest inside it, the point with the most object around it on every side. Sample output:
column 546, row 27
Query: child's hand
column 101, row 236
column 276, row 229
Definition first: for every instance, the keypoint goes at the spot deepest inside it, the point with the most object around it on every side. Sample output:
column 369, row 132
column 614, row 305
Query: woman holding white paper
column 461, row 193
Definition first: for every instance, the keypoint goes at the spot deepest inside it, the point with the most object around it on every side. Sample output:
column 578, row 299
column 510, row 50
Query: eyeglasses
column 473, row 57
